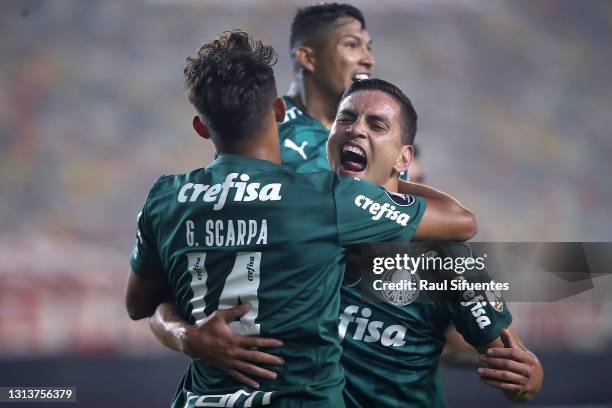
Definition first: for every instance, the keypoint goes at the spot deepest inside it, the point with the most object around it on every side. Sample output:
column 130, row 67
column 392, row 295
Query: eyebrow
column 356, row 37
column 369, row 117
column 380, row 118
column 349, row 112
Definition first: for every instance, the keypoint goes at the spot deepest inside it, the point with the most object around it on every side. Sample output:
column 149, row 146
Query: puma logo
column 300, row 149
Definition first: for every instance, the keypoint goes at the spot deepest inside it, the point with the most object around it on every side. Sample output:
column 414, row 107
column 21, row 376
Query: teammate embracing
column 331, row 48
column 245, row 230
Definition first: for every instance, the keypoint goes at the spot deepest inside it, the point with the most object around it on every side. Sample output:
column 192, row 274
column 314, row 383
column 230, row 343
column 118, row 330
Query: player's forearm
column 142, row 296
column 445, row 219
column 460, row 359
column 169, row 328
column 439, row 224
column 427, row 192
column 450, row 203
column 457, row 352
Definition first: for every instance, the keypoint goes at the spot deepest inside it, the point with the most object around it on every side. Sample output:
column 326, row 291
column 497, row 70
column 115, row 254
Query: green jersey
column 390, row 352
column 245, row 230
column 303, row 140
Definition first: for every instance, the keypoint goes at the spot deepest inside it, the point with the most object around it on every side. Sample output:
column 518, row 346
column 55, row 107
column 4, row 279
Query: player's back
column 249, row 231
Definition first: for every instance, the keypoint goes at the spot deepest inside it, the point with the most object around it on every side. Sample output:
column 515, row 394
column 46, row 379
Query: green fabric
column 303, row 141
column 245, row 230
column 390, row 353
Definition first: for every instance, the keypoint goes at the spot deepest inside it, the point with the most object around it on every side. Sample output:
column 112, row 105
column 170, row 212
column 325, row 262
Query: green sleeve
column 479, row 316
column 145, row 260
column 366, row 212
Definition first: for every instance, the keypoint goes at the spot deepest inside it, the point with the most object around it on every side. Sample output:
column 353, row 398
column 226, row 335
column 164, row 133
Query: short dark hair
column 312, row 20
column 409, row 116
column 230, row 82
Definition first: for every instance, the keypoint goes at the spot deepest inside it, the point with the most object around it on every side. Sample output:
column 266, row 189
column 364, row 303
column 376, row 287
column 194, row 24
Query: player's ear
column 404, row 158
column 306, row 58
column 200, row 127
column 279, row 110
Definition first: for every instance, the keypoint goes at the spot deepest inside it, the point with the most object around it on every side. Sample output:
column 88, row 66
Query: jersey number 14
column 241, row 286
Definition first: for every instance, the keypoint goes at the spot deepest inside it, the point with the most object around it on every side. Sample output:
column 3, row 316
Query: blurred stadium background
column 514, row 99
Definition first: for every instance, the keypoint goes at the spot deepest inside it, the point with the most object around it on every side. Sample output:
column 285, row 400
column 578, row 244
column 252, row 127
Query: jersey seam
column 139, row 270
column 153, row 191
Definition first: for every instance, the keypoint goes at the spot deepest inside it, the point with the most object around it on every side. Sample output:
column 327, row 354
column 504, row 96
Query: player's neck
column 259, row 152
column 392, row 184
column 311, row 100
column 262, row 147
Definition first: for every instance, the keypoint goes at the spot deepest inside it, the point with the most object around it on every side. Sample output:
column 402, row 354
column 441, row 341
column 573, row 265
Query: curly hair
column 230, row 82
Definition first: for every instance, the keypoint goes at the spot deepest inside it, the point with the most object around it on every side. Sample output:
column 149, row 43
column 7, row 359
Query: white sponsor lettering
column 245, row 399
column 219, row 193
column 199, row 275
column 378, row 211
column 390, row 336
column 476, row 304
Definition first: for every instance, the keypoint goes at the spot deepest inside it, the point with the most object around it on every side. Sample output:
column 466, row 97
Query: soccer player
column 330, row 48
column 401, row 368
column 246, row 230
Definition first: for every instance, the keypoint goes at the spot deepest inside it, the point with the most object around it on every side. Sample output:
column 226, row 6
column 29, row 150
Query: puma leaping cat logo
column 300, row 149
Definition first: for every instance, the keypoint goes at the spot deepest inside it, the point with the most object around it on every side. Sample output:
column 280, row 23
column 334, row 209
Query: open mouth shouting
column 353, row 160
column 361, row 76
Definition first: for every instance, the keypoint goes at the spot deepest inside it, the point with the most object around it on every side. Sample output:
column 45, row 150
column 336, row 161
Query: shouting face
column 365, row 138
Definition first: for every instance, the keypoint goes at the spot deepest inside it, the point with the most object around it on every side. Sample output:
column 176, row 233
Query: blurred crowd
column 513, row 101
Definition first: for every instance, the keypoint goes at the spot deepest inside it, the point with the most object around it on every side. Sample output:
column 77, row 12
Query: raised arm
column 445, row 218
